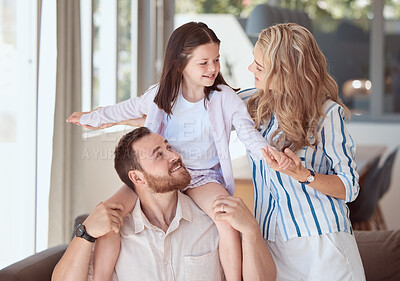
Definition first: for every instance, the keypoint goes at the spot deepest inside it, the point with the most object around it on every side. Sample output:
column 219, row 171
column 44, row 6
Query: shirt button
column 160, row 234
column 165, row 263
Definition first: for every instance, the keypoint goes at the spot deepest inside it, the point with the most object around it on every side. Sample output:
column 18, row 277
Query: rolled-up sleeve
column 339, row 148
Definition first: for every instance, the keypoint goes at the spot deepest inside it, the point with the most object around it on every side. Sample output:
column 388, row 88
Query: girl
column 301, row 208
column 194, row 109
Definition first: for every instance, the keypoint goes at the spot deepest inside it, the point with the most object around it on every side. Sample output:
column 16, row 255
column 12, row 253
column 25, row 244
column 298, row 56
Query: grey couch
column 380, row 253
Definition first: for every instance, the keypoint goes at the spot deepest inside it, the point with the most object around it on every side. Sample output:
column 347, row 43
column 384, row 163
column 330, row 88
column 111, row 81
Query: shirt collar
column 183, row 211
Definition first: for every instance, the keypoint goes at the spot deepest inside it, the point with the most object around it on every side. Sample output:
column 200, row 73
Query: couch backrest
column 380, row 254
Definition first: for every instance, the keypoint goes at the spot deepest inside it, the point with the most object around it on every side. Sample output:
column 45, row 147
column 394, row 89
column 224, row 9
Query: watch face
column 310, row 179
column 80, row 230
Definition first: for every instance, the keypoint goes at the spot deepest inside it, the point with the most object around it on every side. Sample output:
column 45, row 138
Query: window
column 122, row 48
column 27, row 93
column 391, row 15
column 107, row 57
column 343, row 34
column 17, row 129
column 360, row 40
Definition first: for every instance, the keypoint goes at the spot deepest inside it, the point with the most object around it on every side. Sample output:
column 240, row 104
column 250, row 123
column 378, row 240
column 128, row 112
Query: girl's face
column 203, row 66
column 257, row 67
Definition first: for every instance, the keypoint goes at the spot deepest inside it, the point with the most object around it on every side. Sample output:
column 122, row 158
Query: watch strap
column 312, row 174
column 83, row 234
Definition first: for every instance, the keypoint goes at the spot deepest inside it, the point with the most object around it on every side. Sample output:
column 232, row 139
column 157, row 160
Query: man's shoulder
column 189, row 207
column 188, row 203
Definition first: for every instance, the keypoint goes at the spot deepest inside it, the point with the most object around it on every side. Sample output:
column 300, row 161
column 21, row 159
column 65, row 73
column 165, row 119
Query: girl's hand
column 75, row 118
column 235, row 212
column 103, row 219
column 286, row 162
column 278, row 161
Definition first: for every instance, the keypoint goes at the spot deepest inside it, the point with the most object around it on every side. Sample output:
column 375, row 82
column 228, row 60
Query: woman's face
column 257, row 67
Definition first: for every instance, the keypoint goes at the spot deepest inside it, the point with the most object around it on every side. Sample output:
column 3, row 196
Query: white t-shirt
column 188, row 132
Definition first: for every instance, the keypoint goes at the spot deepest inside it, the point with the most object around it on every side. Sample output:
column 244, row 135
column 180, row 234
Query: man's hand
column 104, row 218
column 235, row 212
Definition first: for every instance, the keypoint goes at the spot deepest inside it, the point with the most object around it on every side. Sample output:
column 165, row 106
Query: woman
column 301, row 209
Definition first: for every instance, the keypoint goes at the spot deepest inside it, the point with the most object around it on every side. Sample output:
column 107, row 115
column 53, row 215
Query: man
column 166, row 237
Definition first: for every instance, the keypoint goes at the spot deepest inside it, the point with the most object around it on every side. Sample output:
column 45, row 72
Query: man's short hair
column 125, row 157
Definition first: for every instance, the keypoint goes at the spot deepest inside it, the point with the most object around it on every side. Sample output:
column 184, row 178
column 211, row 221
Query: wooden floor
column 244, row 190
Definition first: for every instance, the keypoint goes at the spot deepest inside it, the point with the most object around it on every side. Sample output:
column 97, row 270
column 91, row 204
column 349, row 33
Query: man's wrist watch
column 310, row 178
column 80, row 231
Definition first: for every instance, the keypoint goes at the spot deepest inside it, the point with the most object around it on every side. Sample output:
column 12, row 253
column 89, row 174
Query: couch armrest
column 37, row 267
column 380, row 253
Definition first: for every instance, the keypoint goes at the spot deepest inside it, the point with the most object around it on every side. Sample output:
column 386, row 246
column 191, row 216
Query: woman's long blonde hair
column 301, row 84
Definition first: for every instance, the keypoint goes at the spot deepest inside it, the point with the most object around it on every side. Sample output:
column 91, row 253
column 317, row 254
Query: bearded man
column 166, row 236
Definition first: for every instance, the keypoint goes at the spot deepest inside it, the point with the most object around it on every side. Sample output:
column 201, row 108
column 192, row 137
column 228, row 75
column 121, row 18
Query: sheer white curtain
column 46, row 80
column 66, row 171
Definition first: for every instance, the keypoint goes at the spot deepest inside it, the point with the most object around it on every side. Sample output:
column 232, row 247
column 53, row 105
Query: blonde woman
column 302, row 210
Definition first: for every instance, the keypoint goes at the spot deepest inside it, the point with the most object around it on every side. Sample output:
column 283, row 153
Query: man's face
column 163, row 169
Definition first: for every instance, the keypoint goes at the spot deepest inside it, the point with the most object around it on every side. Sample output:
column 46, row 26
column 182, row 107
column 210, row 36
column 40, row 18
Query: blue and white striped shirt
column 298, row 209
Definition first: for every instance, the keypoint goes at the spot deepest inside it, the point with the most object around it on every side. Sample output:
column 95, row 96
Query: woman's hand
column 286, row 162
column 235, row 212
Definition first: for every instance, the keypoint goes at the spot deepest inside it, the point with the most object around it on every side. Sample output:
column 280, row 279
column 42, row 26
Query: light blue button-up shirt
column 298, row 209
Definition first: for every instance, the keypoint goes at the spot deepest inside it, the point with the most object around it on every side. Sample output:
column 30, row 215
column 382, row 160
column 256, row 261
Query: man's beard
column 169, row 183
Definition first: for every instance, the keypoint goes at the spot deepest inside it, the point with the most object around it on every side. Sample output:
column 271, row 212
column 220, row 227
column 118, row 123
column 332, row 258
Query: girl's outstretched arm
column 132, row 108
column 108, row 246
column 76, row 117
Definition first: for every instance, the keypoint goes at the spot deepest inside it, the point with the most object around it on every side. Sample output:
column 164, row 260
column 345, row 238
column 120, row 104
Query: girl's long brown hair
column 295, row 87
column 180, row 46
